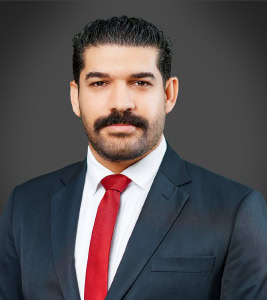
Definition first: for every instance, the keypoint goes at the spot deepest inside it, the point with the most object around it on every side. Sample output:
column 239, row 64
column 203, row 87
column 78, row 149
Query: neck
column 118, row 167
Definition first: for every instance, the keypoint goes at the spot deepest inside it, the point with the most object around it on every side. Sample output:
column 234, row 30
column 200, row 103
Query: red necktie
column 96, row 280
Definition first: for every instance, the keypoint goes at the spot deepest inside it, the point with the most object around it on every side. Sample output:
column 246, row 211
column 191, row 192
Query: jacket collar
column 172, row 166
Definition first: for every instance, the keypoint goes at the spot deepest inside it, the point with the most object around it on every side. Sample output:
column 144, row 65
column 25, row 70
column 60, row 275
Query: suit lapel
column 65, row 207
column 161, row 208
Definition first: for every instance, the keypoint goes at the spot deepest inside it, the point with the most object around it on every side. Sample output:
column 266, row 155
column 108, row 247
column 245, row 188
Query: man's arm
column 10, row 276
column 245, row 272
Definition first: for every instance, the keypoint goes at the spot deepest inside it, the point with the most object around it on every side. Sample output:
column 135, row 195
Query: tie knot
column 116, row 182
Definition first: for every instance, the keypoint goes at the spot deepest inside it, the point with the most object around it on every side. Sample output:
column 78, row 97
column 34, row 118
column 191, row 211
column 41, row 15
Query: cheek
column 91, row 108
column 151, row 107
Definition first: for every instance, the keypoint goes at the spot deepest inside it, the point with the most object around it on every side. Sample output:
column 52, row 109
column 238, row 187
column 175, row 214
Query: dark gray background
column 219, row 121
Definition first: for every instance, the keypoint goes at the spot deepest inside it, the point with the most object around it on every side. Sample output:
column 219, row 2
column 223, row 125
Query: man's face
column 121, row 100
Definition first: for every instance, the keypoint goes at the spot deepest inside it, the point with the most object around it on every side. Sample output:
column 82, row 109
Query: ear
column 74, row 97
column 171, row 93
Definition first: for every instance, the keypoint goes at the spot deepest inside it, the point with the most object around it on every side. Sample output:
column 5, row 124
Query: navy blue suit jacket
column 200, row 236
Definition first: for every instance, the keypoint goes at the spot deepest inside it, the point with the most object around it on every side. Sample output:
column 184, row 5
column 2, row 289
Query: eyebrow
column 106, row 75
column 96, row 74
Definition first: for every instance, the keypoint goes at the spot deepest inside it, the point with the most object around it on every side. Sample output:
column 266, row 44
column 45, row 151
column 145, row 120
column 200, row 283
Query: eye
column 98, row 83
column 141, row 83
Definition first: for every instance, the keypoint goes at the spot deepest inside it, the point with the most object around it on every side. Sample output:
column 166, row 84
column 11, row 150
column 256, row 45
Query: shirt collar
column 141, row 173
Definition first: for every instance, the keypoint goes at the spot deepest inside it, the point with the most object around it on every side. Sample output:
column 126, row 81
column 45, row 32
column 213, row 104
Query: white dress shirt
column 142, row 174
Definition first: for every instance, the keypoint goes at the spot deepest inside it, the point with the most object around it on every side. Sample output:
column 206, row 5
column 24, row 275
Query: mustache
column 121, row 118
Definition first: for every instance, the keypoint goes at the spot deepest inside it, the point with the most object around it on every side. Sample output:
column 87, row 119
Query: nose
column 121, row 98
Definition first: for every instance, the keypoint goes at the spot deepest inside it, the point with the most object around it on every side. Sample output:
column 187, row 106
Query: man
column 133, row 220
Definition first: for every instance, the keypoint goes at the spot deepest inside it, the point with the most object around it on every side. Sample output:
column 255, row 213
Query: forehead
column 121, row 59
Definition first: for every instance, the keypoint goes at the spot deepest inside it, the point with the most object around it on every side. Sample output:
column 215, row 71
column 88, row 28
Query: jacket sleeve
column 245, row 272
column 10, row 275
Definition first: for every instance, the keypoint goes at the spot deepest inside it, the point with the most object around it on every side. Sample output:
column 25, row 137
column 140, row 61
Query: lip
column 121, row 127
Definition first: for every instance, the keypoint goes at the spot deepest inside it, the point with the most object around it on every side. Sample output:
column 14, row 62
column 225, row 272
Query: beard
column 122, row 146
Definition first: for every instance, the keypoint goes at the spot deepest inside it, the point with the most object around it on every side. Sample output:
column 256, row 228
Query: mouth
column 121, row 128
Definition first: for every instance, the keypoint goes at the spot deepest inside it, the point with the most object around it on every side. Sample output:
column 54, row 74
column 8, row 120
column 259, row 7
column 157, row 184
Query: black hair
column 122, row 31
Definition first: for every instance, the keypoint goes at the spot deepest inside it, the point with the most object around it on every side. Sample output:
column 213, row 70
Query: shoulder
column 48, row 182
column 213, row 186
column 202, row 176
column 35, row 193
column 223, row 202
column 200, row 180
